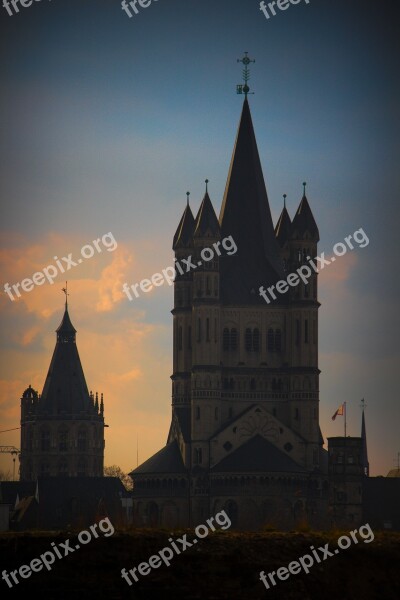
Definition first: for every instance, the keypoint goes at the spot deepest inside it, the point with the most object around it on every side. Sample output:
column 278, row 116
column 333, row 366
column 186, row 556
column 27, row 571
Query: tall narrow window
column 225, row 339
column 248, row 340
column 278, row 340
column 197, row 413
column 270, row 340
column 207, row 329
column 297, row 414
column 63, row 440
column 189, row 338
column 208, row 287
column 256, row 340
column 306, row 331
column 297, row 331
column 215, row 331
column 234, row 338
column 82, row 440
column 199, row 330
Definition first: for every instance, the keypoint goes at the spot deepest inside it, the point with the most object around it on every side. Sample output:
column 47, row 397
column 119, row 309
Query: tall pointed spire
column 185, row 229
column 365, row 462
column 246, row 216
column 206, row 219
column 284, row 225
column 304, row 222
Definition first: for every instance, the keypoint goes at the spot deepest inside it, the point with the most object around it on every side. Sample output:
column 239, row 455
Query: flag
column 340, row 412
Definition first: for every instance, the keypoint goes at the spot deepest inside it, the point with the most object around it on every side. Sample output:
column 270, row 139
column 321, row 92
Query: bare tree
column 115, row 471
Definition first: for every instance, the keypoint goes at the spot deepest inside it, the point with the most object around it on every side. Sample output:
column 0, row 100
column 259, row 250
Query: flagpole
column 345, row 418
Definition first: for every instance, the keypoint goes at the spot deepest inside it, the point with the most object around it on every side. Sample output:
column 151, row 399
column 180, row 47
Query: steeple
column 184, row 233
column 246, row 216
column 365, row 462
column 284, row 225
column 206, row 219
column 65, row 388
column 304, row 222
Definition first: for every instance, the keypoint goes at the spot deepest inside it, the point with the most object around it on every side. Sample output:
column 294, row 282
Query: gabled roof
column 257, row 455
column 206, row 219
column 166, row 460
column 304, row 222
column 184, row 233
column 246, row 216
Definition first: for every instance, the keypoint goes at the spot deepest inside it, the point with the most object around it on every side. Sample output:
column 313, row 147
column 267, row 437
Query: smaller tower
column 62, row 431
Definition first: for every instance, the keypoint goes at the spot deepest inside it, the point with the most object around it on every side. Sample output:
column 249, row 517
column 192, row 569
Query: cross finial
column 65, row 290
column 363, row 405
column 304, row 187
column 244, row 89
column 284, row 200
column 207, row 182
column 187, row 198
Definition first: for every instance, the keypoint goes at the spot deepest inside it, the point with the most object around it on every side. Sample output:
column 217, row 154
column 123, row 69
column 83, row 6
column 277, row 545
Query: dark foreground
column 224, row 566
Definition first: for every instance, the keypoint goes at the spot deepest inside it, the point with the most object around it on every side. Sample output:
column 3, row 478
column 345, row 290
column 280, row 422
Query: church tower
column 245, row 430
column 62, row 430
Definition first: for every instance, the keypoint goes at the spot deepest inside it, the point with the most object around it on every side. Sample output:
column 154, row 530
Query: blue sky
column 106, row 123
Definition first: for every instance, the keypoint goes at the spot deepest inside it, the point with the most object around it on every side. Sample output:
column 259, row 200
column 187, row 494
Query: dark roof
column 30, row 393
column 184, row 233
column 246, row 216
column 166, row 460
column 260, row 455
column 206, row 219
column 9, row 490
column 51, row 489
column 304, row 222
column 65, row 387
column 283, row 227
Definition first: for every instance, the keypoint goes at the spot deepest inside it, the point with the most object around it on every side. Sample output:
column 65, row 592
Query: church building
column 244, row 434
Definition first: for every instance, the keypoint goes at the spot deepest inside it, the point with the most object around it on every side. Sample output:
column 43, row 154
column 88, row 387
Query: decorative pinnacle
column 284, row 200
column 65, row 290
column 244, row 89
column 304, row 187
column 187, row 197
column 207, row 182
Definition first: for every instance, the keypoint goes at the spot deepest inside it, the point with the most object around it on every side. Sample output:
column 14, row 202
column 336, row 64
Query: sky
column 107, row 121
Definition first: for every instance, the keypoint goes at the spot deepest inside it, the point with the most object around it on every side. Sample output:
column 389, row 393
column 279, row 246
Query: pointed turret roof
column 283, row 227
column 185, row 230
column 304, row 221
column 246, row 216
column 65, row 388
column 206, row 219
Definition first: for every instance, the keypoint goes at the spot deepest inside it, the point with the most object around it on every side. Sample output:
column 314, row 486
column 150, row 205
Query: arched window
column 207, row 329
column 197, row 413
column 225, row 339
column 270, row 340
column 234, row 339
column 278, row 340
column 189, row 337
column 256, row 340
column 248, row 340
column 252, row 384
column 199, row 330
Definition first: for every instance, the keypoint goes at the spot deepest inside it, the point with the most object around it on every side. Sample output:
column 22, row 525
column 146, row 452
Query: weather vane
column 65, row 290
column 244, row 89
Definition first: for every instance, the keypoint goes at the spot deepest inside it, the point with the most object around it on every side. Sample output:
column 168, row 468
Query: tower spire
column 284, row 200
column 304, row 188
column 187, row 198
